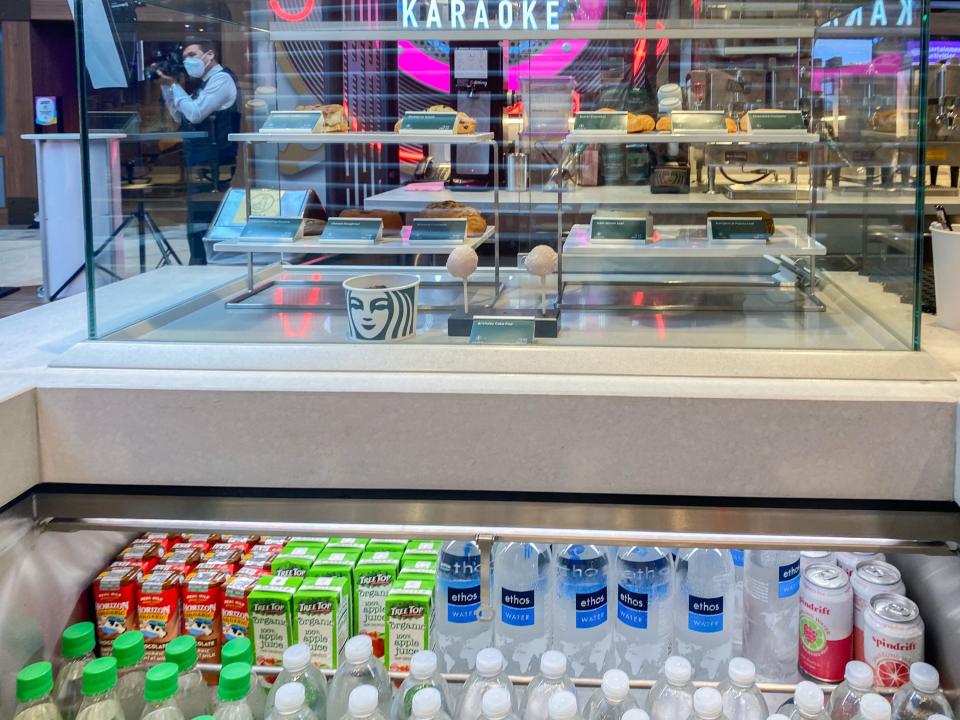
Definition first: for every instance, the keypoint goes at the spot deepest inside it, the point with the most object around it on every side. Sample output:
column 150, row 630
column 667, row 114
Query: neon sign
column 298, row 16
column 878, row 16
column 505, row 16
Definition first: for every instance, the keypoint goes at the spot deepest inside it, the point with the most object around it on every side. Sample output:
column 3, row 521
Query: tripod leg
column 141, row 236
column 166, row 249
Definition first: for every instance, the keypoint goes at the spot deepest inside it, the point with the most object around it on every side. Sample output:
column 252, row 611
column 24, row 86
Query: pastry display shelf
column 738, row 138
column 391, row 246
column 355, row 138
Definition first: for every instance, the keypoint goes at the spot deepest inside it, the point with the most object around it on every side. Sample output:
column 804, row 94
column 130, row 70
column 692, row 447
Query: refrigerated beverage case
column 359, row 667
column 521, row 584
column 291, row 705
column 771, row 611
column 671, row 698
column 364, row 704
column 644, row 623
column 892, row 638
column 845, row 700
column 826, row 622
column 736, row 619
column 297, row 667
column 871, row 578
column 129, row 650
column 99, row 691
column 193, row 695
column 460, row 633
column 808, row 702
column 612, row 700
column 562, row 706
column 707, row 705
column 488, row 675
column 582, row 627
column 497, row 704
column 35, row 693
column 232, row 693
column 921, row 698
column 849, row 560
column 742, row 699
column 427, row 704
column 424, row 675
column 76, row 649
column 873, row 707
column 705, row 590
column 551, row 680
column 240, row 650
column 160, row 693
column 811, row 557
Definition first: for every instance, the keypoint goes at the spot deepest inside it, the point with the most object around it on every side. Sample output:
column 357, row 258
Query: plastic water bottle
column 582, row 628
column 521, row 585
column 705, row 590
column 771, row 612
column 427, row 704
column 671, row 698
column 489, row 674
column 497, row 704
column 241, row 650
column 552, row 679
column 460, row 634
column 612, row 700
column 99, row 689
column 424, row 674
column 193, row 695
column 707, row 704
column 562, row 706
column 808, row 702
column 635, row 714
column 364, row 704
column 921, row 697
column 160, row 693
column 742, row 699
column 644, row 625
column 358, row 667
column 873, row 707
column 76, row 649
column 232, row 693
column 35, row 693
column 128, row 649
column 298, row 668
column 290, row 704
column 736, row 620
column 845, row 700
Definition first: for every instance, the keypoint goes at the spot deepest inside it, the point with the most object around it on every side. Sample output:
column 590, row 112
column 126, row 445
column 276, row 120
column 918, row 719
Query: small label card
column 494, row 330
column 446, row 231
column 440, row 123
column 266, row 229
column 698, row 121
column 293, row 121
column 737, row 230
column 363, row 231
column 607, row 229
column 611, row 123
column 779, row 121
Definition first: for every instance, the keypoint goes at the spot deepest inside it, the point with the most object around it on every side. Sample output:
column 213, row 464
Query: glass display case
column 603, row 173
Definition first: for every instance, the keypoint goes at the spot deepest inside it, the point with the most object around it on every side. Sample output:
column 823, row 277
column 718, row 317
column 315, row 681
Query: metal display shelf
column 657, row 137
column 352, row 138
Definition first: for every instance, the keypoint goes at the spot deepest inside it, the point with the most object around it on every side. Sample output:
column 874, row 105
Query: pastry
column 334, row 116
column 392, row 221
column 731, row 124
column 640, row 123
column 767, row 217
column 463, row 262
column 465, row 124
column 884, row 121
column 476, row 225
column 665, row 124
column 313, row 227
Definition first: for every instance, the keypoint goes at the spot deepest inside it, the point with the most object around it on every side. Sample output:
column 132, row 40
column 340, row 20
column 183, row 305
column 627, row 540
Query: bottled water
column 460, row 634
column 635, row 714
column 552, row 679
column 131, row 672
column 241, row 650
column 76, row 649
column 364, row 704
column 771, row 612
column 845, row 700
column 489, row 674
column 671, row 698
column 612, row 700
column 705, row 590
column 193, row 695
column 808, row 702
column 232, row 693
column 290, row 703
column 99, row 689
column 742, row 699
column 35, row 693
column 921, row 697
column 644, row 624
column 358, row 667
column 562, row 706
column 424, row 674
column 736, row 620
column 160, row 693
column 707, row 704
column 497, row 704
column 427, row 704
column 521, row 585
column 298, row 668
column 873, row 707
column 582, row 629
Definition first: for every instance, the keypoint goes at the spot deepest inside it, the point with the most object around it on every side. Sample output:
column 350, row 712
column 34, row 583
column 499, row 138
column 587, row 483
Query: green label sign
column 438, row 230
column 698, row 121
column 495, row 330
column 353, row 229
column 737, row 228
column 423, row 122
column 606, row 122
column 614, row 228
column 786, row 121
column 264, row 229
column 306, row 121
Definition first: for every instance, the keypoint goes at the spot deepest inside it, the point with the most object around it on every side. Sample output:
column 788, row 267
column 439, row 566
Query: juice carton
column 146, row 555
column 374, row 575
column 234, row 614
column 426, row 547
column 295, row 562
column 317, row 544
column 280, row 540
column 339, row 563
column 419, row 570
column 321, row 612
column 184, row 561
column 388, row 545
column 409, row 622
column 158, row 611
column 316, row 540
column 115, row 604
column 202, row 602
column 354, row 543
column 270, row 604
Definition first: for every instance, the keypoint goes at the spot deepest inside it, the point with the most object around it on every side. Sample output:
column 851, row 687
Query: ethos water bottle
column 704, row 598
column 582, row 625
column 522, row 624
column 771, row 612
column 736, row 619
column 644, row 623
column 460, row 634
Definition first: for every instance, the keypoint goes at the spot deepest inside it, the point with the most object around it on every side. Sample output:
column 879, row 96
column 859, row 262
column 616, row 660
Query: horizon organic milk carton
column 115, row 604
column 234, row 613
column 158, row 611
column 321, row 613
column 202, row 598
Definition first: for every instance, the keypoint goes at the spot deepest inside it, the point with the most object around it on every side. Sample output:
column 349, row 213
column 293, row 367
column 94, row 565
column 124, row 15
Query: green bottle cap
column 234, row 682
column 78, row 640
column 237, row 650
column 99, row 676
column 34, row 681
column 161, row 682
column 128, row 649
column 182, row 651
column 204, row 717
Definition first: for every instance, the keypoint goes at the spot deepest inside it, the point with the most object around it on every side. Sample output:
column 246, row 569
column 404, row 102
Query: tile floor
column 20, row 267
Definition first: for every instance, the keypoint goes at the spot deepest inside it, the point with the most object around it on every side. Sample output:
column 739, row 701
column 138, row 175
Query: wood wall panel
column 20, row 164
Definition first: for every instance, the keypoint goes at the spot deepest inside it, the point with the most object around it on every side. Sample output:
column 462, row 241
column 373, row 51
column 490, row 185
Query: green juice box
column 336, row 563
column 409, row 622
column 389, row 545
column 375, row 574
column 317, row 544
column 419, row 570
column 294, row 562
column 352, row 543
column 321, row 614
column 270, row 605
column 425, row 547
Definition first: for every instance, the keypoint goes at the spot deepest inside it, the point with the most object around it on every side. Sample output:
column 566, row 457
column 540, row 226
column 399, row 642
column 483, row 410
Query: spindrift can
column 826, row 622
column 892, row 638
column 871, row 578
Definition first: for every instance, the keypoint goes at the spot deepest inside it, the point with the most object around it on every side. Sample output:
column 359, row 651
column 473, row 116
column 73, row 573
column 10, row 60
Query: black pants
column 203, row 199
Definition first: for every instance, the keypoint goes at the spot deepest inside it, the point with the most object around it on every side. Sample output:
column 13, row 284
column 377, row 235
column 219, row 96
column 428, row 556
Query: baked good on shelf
column 313, row 227
column 665, row 124
column 731, row 124
column 334, row 116
column 640, row 123
column 884, row 120
column 476, row 224
column 767, row 217
column 465, row 124
column 392, row 221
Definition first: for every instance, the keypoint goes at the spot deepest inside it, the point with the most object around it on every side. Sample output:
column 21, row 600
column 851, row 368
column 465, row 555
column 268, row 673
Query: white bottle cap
column 489, row 662
column 858, row 675
column 615, row 685
column 808, row 698
column 778, row 716
column 296, row 657
column 495, row 704
column 289, row 698
column 553, row 664
column 924, row 677
column 742, row 672
column 938, row 716
column 874, row 707
column 423, row 664
column 363, row 701
column 426, row 703
column 677, row 670
column 635, row 714
column 707, row 703
column 358, row 648
column 563, row 706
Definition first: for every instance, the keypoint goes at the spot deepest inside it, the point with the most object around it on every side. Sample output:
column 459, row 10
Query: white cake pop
column 541, row 261
column 462, row 263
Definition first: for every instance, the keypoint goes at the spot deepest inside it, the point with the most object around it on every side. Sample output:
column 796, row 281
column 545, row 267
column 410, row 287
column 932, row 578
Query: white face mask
column 194, row 66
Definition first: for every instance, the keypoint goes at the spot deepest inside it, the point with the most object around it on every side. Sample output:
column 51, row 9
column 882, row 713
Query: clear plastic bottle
column 99, row 688
column 551, row 680
column 232, row 692
column 364, row 704
column 460, row 634
column 290, row 703
column 497, row 704
column 736, row 619
column 873, row 707
column 921, row 697
column 644, row 626
column 845, row 700
column 707, row 704
column 160, row 693
column 635, row 714
column 358, row 667
column 35, row 693
column 742, row 699
column 521, row 591
column 193, row 695
column 131, row 672
column 488, row 674
column 241, row 650
column 424, row 674
column 702, row 620
column 427, row 704
column 612, row 699
column 582, row 628
column 671, row 698
column 563, row 706
column 808, row 702
column 771, row 612
column 297, row 667
column 76, row 649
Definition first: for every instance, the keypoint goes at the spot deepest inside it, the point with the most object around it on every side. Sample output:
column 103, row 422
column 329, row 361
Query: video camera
column 169, row 63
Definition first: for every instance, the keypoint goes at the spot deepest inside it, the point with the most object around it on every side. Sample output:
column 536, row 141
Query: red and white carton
column 145, row 555
column 870, row 579
column 235, row 616
column 115, row 604
column 892, row 638
column 202, row 598
column 826, row 622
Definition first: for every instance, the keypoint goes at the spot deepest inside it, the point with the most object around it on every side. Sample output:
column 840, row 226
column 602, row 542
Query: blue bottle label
column 463, row 604
column 737, row 556
column 632, row 608
column 517, row 607
column 789, row 580
column 591, row 608
column 705, row 614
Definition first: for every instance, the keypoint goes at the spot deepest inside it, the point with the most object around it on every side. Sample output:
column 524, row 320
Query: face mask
column 194, row 67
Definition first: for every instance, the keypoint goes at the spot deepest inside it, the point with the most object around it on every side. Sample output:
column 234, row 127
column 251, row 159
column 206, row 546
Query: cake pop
column 462, row 263
column 541, row 261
